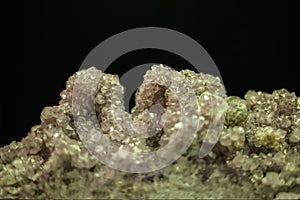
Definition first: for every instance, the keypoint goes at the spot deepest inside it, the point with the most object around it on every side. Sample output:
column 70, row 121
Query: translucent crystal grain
column 295, row 135
column 269, row 137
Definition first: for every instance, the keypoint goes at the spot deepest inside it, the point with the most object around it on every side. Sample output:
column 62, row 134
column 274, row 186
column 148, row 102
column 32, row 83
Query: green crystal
column 237, row 111
column 257, row 155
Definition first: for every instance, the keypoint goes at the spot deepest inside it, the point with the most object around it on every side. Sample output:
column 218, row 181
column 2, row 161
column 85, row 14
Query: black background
column 254, row 44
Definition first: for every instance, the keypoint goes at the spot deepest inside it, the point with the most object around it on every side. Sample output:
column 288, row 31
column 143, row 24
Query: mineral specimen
column 256, row 156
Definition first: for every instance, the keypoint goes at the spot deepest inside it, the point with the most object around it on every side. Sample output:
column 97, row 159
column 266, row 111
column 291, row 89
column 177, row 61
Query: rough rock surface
column 256, row 156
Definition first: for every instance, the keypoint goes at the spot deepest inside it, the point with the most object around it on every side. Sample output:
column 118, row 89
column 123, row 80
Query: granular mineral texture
column 257, row 155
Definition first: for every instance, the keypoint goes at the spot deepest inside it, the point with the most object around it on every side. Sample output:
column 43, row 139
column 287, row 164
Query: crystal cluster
column 257, row 154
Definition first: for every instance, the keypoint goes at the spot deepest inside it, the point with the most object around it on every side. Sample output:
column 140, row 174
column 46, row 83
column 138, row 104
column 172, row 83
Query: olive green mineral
column 257, row 154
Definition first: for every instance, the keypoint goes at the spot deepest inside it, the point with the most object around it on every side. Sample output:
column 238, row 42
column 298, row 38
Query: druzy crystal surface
column 257, row 154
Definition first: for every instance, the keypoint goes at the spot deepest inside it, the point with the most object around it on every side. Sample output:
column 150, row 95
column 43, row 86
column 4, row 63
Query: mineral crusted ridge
column 256, row 156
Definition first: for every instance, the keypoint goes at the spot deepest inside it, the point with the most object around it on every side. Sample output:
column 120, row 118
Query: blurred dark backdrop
column 254, row 44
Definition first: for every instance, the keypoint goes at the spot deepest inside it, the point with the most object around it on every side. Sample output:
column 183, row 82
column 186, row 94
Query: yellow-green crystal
column 257, row 155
